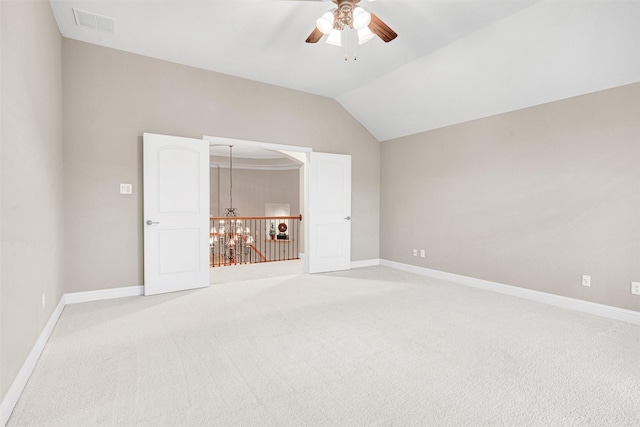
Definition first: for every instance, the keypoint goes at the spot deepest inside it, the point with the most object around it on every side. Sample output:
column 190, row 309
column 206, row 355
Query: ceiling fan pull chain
column 355, row 46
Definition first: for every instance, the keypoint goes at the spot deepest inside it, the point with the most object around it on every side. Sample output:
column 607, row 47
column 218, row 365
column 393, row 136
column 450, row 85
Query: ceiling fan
column 349, row 14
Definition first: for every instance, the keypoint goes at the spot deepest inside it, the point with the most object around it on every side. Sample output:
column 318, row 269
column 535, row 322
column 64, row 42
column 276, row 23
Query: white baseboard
column 14, row 392
column 365, row 263
column 12, row 396
column 78, row 297
column 602, row 310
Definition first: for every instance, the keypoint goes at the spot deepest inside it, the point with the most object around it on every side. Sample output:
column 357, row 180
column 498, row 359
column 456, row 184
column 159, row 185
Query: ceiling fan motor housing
column 344, row 13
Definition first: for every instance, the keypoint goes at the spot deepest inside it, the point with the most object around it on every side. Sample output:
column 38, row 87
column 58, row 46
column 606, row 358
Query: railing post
column 256, row 245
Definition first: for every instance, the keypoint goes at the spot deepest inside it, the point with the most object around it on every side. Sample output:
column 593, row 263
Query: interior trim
column 365, row 263
column 18, row 384
column 252, row 166
column 601, row 310
column 79, row 297
column 12, row 396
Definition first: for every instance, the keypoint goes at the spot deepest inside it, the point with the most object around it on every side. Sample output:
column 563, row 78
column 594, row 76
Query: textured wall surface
column 253, row 188
column 32, row 180
column 112, row 97
column 533, row 198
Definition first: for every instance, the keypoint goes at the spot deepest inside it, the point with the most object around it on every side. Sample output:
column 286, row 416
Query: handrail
column 214, row 218
column 245, row 239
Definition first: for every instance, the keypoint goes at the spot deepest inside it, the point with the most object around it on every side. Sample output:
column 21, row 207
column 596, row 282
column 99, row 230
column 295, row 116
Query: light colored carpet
column 244, row 272
column 371, row 346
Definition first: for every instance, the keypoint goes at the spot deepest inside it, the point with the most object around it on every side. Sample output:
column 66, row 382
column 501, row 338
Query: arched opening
column 266, row 186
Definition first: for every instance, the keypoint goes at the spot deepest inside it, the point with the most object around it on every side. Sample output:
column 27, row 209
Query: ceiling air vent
column 95, row 22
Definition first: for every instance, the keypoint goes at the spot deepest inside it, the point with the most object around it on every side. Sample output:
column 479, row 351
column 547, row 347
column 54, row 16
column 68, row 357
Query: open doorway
column 176, row 210
column 263, row 191
column 326, row 203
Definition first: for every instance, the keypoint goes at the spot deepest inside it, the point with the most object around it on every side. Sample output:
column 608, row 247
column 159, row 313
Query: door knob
column 149, row 222
column 348, row 218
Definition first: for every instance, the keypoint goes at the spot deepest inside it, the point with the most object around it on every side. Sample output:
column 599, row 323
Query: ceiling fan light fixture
column 361, row 18
column 349, row 16
column 325, row 23
column 335, row 38
column 364, row 35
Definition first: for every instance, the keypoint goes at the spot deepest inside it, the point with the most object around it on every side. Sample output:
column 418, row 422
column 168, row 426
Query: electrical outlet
column 415, row 252
column 586, row 280
column 422, row 253
column 126, row 189
column 44, row 301
column 635, row 288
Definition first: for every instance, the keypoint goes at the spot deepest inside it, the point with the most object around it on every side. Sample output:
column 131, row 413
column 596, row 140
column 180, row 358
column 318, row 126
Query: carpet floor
column 370, row 346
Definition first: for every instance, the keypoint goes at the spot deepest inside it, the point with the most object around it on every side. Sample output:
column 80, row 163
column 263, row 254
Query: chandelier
column 235, row 239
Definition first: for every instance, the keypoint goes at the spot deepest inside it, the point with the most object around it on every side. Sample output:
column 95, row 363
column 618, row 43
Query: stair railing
column 253, row 239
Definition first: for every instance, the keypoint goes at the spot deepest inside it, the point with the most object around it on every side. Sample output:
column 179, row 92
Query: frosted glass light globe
column 325, row 23
column 361, row 18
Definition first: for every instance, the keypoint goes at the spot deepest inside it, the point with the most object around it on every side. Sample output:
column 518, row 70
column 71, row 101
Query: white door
column 329, row 212
column 176, row 213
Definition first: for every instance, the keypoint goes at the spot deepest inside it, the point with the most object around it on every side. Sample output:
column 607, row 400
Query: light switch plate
column 126, row 189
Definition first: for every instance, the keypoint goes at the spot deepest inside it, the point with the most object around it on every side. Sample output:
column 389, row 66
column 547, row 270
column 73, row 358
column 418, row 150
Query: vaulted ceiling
column 453, row 61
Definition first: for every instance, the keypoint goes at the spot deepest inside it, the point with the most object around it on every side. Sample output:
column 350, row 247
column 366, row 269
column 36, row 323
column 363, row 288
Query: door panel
column 329, row 212
column 176, row 213
column 179, row 249
column 179, row 180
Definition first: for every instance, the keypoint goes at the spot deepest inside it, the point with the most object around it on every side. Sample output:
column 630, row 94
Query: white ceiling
column 453, row 61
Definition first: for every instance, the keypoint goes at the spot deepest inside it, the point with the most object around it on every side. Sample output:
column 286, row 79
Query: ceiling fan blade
column 381, row 29
column 315, row 35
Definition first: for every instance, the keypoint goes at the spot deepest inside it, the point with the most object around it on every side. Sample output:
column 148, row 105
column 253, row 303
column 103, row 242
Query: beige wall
column 253, row 188
column 112, row 97
column 32, row 179
column 533, row 198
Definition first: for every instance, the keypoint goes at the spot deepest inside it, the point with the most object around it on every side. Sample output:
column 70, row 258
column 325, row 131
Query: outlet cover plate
column 586, row 280
column 126, row 189
column 635, row 288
